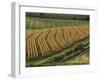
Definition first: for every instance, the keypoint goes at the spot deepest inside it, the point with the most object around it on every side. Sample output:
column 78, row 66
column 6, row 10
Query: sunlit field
column 56, row 39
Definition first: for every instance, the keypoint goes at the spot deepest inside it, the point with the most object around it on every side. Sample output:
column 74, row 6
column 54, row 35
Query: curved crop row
column 45, row 42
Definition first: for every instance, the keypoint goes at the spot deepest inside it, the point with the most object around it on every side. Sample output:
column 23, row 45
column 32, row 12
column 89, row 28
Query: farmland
column 52, row 42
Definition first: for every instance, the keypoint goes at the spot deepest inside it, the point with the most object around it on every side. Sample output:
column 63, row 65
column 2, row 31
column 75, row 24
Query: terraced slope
column 46, row 42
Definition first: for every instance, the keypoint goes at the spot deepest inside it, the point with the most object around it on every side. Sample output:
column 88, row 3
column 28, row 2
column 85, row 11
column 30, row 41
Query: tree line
column 58, row 16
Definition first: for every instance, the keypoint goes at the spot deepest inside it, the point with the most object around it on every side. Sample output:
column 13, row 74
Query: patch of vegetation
column 41, row 23
column 64, row 57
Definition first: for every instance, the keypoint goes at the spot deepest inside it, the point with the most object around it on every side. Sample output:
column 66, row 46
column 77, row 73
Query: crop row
column 45, row 42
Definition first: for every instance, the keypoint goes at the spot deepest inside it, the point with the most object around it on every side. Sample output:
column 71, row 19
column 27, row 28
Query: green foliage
column 64, row 57
column 41, row 23
column 58, row 16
